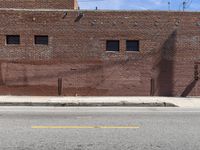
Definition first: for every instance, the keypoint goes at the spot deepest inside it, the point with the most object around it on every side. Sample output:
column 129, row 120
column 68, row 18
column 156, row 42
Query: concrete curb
column 103, row 104
column 190, row 102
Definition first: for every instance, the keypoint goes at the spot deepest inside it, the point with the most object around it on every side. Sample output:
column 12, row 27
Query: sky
column 139, row 4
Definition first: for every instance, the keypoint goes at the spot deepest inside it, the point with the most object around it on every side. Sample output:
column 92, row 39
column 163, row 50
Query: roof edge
column 96, row 11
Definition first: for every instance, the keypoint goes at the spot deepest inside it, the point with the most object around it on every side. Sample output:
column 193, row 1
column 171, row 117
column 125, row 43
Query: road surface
column 115, row 128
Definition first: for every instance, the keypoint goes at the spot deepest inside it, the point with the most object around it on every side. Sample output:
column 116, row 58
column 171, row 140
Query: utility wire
column 185, row 4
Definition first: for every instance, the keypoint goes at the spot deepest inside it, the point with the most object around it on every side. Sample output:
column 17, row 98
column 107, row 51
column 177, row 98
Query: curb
column 85, row 104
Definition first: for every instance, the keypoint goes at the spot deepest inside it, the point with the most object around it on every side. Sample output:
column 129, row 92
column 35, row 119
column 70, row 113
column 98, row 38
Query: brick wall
column 169, row 47
column 40, row 4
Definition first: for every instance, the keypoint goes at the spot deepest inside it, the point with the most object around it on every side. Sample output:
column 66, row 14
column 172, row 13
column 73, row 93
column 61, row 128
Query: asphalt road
column 48, row 128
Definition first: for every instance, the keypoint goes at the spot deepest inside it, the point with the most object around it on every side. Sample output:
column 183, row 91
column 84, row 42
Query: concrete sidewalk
column 100, row 101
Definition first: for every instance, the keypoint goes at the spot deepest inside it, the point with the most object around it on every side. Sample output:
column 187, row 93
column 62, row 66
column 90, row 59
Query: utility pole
column 184, row 5
column 169, row 6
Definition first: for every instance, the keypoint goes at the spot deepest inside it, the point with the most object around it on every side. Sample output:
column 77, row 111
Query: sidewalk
column 100, row 101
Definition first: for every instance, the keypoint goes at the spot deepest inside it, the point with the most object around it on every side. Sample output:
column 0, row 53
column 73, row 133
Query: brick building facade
column 39, row 4
column 105, row 53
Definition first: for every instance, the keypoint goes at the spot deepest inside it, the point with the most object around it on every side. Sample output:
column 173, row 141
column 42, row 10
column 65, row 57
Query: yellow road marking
column 85, row 127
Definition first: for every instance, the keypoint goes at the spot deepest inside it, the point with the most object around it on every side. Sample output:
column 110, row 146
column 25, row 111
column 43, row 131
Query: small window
column 12, row 39
column 132, row 45
column 112, row 45
column 42, row 39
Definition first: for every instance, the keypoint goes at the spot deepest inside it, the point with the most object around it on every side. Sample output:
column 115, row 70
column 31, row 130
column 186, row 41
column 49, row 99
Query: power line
column 185, row 4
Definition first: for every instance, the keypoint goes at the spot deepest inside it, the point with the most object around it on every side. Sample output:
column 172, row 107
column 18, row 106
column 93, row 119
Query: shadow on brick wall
column 189, row 88
column 165, row 66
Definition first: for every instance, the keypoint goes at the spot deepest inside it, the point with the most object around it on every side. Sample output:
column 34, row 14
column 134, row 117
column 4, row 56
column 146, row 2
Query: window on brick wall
column 132, row 45
column 112, row 45
column 42, row 39
column 12, row 39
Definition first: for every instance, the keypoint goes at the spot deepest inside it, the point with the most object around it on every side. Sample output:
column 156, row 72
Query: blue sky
column 137, row 4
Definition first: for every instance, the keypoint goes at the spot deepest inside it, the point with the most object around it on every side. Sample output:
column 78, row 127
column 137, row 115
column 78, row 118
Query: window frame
column 138, row 46
column 40, row 43
column 108, row 49
column 13, row 43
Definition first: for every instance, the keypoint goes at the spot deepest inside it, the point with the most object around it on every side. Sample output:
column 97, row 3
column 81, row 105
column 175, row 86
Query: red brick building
column 105, row 53
column 39, row 4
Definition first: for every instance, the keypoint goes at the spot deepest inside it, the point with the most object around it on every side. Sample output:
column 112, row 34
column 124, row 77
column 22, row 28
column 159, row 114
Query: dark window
column 132, row 45
column 112, row 45
column 42, row 39
column 12, row 39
